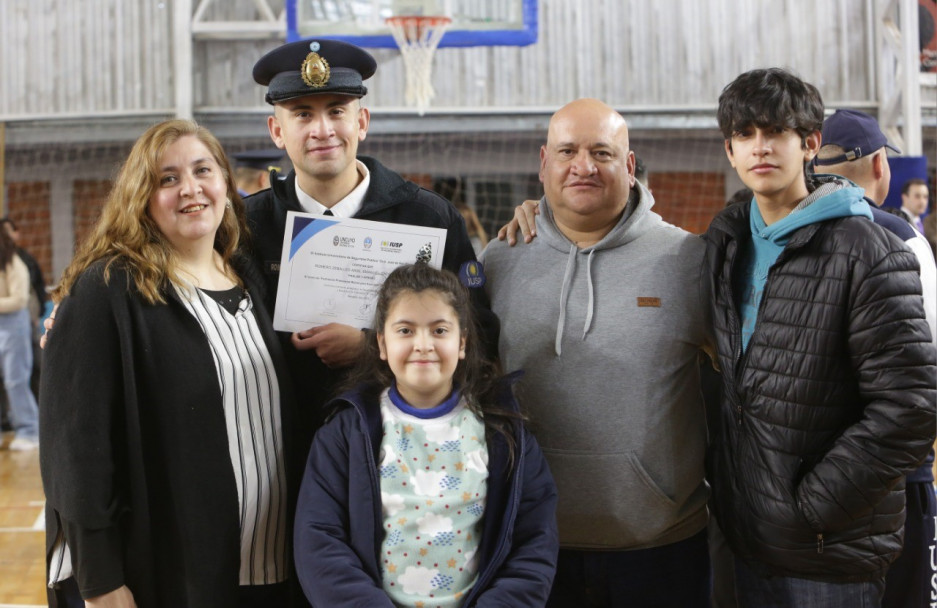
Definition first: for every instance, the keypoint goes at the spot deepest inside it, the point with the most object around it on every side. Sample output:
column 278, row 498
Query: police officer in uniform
column 315, row 87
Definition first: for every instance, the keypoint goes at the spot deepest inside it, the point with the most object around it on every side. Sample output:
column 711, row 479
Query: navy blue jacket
column 339, row 531
column 903, row 230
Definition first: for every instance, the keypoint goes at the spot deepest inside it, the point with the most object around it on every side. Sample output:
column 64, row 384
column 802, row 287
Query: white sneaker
column 22, row 444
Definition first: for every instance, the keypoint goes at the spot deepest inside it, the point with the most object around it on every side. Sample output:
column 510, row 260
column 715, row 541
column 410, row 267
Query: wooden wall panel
column 80, row 57
column 77, row 57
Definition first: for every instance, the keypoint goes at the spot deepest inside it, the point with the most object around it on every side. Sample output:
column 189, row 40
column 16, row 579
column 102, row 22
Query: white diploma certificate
column 331, row 268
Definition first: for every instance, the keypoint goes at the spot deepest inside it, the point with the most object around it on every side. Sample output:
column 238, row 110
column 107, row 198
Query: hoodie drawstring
column 564, row 296
column 588, row 324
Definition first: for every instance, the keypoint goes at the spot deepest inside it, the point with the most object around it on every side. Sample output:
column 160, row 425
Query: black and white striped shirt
column 251, row 399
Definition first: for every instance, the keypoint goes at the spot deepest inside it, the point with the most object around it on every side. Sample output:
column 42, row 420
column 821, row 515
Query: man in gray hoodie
column 603, row 312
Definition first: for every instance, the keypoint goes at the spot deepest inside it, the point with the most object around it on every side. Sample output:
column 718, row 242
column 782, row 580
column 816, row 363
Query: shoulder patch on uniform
column 648, row 302
column 472, row 274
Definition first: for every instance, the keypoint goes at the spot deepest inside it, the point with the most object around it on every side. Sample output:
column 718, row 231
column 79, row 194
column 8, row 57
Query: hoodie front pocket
column 608, row 500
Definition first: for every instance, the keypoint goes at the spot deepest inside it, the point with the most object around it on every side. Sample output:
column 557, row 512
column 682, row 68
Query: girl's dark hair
column 475, row 376
column 770, row 98
column 7, row 249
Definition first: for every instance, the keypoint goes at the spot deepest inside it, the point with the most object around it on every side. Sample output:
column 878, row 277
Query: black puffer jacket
column 831, row 405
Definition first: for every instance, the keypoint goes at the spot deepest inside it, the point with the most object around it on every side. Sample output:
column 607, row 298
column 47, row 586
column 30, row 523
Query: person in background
column 827, row 363
column 473, row 225
column 866, row 165
column 452, row 188
column 37, row 301
column 914, row 202
column 16, row 346
column 930, row 228
column 164, row 407
column 252, row 169
column 640, row 171
column 38, row 296
column 429, row 450
column 908, row 582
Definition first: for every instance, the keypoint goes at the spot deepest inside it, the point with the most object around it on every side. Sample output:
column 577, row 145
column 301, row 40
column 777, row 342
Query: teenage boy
column 827, row 363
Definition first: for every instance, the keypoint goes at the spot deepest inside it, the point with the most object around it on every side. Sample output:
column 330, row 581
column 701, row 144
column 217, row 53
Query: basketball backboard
column 362, row 22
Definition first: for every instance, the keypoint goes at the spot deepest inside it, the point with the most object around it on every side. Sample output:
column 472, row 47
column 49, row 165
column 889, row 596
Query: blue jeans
column 672, row 576
column 16, row 351
column 757, row 591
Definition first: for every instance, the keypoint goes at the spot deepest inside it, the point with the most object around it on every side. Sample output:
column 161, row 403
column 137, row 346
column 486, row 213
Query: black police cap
column 313, row 67
column 259, row 159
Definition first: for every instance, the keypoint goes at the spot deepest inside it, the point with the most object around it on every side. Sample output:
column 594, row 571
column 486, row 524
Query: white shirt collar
column 348, row 206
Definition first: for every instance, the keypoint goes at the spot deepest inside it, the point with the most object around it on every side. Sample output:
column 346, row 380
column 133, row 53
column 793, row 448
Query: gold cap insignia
column 315, row 71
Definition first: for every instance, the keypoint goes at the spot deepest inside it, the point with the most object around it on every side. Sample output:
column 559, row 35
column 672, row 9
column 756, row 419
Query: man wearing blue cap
column 315, row 89
column 854, row 147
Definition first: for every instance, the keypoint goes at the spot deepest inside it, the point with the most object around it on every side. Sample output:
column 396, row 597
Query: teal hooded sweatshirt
column 833, row 197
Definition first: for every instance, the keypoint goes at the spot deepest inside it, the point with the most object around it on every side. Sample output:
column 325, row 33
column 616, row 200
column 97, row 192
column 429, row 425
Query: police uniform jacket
column 390, row 198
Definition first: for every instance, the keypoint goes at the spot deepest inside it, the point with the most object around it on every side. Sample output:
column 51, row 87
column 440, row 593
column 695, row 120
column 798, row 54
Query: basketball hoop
column 418, row 38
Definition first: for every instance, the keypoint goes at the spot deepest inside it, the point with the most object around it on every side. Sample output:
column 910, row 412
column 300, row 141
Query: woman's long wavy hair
column 126, row 234
column 476, row 377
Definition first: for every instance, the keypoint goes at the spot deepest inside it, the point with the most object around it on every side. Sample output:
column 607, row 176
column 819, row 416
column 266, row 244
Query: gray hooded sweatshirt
column 609, row 337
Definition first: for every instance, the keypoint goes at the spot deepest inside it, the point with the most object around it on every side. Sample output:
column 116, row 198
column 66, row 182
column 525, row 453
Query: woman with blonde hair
column 16, row 346
column 165, row 461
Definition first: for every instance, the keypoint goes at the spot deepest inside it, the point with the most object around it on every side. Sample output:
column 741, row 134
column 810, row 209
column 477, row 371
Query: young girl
column 424, row 489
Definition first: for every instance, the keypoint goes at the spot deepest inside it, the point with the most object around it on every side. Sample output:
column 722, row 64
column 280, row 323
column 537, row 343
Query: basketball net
column 418, row 38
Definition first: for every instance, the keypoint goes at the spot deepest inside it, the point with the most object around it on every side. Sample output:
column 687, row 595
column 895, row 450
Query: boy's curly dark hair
column 770, row 97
